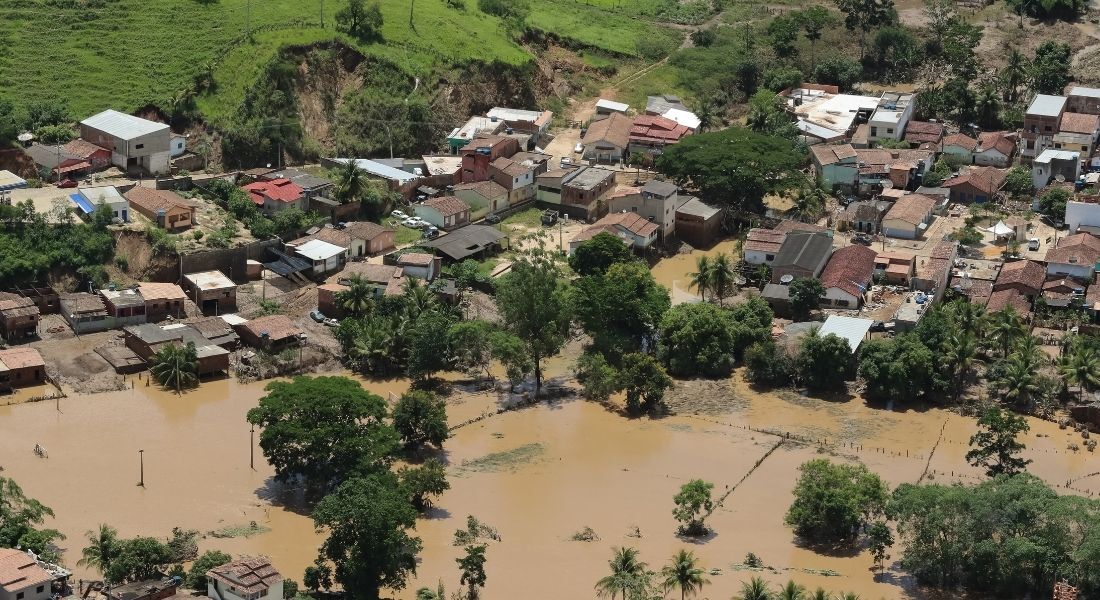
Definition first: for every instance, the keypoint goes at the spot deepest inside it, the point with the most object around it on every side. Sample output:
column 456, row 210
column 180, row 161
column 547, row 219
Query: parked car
column 578, row 148
column 878, row 326
column 1033, row 244
column 411, row 222
column 549, row 217
column 565, row 161
column 493, row 218
column 431, row 233
column 397, row 214
column 317, row 315
column 331, row 322
column 861, row 238
column 68, row 183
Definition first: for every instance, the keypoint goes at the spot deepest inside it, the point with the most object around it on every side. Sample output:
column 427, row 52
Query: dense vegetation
column 33, row 243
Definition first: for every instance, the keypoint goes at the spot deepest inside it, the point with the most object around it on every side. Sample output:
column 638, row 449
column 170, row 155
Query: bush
column 697, row 339
column 1018, row 182
column 767, row 364
column 839, row 71
column 122, row 263
column 704, row 37
column 514, row 10
column 832, row 501
column 196, row 577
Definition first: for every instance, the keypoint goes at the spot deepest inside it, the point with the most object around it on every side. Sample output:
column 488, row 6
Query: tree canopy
column 832, row 500
column 995, row 446
column 620, row 308
column 596, row 254
column 697, row 339
column 420, row 417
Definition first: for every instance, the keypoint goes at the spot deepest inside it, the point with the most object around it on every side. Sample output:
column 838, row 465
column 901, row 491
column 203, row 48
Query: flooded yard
column 538, row 476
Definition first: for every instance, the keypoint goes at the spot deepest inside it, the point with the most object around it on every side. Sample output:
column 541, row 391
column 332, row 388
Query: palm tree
column 1019, row 380
column 988, row 106
column 1028, row 350
column 684, row 573
column 706, row 115
column 357, row 298
column 1006, row 327
column 821, row 594
column 373, row 346
column 961, row 353
column 721, row 276
column 176, row 367
column 969, row 318
column 1013, row 74
column 700, row 279
column 101, row 549
column 1081, row 367
column 626, row 571
column 755, row 589
column 791, row 591
column 418, row 298
column 808, row 202
column 849, row 596
column 350, row 183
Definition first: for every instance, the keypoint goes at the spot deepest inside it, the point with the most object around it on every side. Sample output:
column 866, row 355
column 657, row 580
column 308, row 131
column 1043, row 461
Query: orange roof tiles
column 248, row 574
column 18, row 571
column 447, row 205
column 849, row 268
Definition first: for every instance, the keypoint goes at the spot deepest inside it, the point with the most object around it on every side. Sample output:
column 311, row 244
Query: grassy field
column 128, row 53
column 614, row 31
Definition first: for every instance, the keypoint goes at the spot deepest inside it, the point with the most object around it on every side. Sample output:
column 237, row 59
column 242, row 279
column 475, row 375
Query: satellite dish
column 786, row 279
column 1060, row 178
column 887, row 184
column 25, row 137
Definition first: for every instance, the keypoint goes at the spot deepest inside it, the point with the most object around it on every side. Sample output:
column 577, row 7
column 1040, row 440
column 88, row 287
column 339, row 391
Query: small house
column 638, row 232
column 850, row 329
column 165, row 208
column 650, row 134
column 481, row 152
column 483, row 197
column 847, row 276
column 18, row 318
column 1040, row 125
column 606, row 107
column 607, row 140
column 918, row 133
column 835, row 166
column 87, row 200
column 136, row 144
column 518, row 178
column 582, row 190
column 896, row 267
column 472, row 241
column 698, row 223
column 22, row 577
column 124, row 307
column 312, row 185
column 10, row 181
column 976, row 184
column 148, row 339
column 20, row 367
column 1078, row 132
column 246, row 578
column 891, row 116
column 1083, row 217
column 211, row 291
column 58, row 162
column 420, row 265
column 84, row 312
column 271, row 333
column 1060, row 291
column 460, row 136
column 1002, row 299
column 1052, row 164
column 383, row 280
column 533, row 122
column 324, row 256
column 369, row 239
column 995, row 149
column 656, row 200
column 276, row 195
column 149, row 589
column 864, row 216
column 802, row 255
column 1024, row 276
column 1075, row 256
column 958, row 148
column 445, row 213
column 163, row 300
column 909, row 217
column 761, row 245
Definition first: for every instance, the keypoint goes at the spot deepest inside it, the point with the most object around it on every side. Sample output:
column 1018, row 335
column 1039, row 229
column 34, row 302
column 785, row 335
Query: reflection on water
column 578, row 465
column 675, row 272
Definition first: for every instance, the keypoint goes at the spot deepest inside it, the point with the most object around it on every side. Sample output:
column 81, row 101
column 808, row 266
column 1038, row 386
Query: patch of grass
column 664, row 79
column 508, row 460
column 406, row 235
column 125, row 54
column 237, row 531
column 532, row 217
column 612, row 30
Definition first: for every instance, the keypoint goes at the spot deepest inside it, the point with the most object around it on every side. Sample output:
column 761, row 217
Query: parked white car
column 578, row 148
column 413, row 222
column 398, row 214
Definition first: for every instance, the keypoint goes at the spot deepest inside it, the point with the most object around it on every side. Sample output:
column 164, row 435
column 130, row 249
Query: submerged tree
column 693, row 504
column 176, row 367
column 626, row 572
column 684, row 573
column 995, row 446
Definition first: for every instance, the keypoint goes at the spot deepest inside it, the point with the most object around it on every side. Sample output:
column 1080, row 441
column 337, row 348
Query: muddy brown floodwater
column 672, row 272
column 537, row 475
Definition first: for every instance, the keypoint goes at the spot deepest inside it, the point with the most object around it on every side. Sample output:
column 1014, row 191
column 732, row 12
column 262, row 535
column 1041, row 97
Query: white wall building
column 325, row 257
column 1052, row 163
column 1084, row 215
column 892, row 114
column 136, row 144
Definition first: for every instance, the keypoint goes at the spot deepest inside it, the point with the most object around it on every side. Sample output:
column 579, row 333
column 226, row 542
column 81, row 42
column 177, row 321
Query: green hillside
column 128, row 53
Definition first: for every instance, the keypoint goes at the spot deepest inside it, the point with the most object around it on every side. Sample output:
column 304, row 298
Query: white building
column 23, row 577
column 825, row 117
column 90, row 198
column 1052, row 163
column 892, row 114
column 606, row 107
column 324, row 256
column 850, row 329
column 136, row 144
column 247, row 578
column 1083, row 216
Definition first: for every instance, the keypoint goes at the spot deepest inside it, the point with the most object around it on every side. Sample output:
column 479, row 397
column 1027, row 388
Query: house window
column 139, row 146
column 874, row 132
column 1046, row 128
column 842, row 303
column 890, row 131
column 19, row 596
column 39, row 589
column 769, row 257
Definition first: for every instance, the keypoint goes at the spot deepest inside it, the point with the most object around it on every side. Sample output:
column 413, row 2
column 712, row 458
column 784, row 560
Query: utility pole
column 322, row 14
column 141, row 457
column 252, row 447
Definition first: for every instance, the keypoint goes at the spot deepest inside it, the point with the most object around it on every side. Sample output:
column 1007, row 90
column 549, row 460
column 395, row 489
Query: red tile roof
column 21, row 358
column 447, row 205
column 415, row 259
column 1080, row 249
column 985, row 179
column 1001, row 141
column 1024, row 272
column 1000, row 299
column 615, row 130
column 960, row 140
column 279, row 190
column 923, row 131
column 849, row 268
column 249, row 575
column 277, row 327
column 83, row 148
column 365, row 230
column 827, row 155
column 18, row 571
column 652, row 128
column 1079, row 123
column 764, row 240
column 155, row 200
column 910, row 209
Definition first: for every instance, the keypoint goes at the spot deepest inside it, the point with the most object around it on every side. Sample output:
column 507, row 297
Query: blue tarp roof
column 83, row 203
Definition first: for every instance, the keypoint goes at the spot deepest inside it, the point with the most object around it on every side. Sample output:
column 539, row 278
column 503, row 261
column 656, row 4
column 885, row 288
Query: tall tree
column 721, row 276
column 824, row 362
column 620, row 308
column 471, row 347
column 472, row 566
column 755, row 589
column 1080, row 367
column 698, row 339
column 805, row 296
column 103, row 546
column 357, row 300
column 360, row 21
column 626, row 570
column 367, row 521
column 323, row 430
column 534, row 303
column 1006, row 327
column 791, row 591
column 693, row 505
column 995, row 446
column 595, row 255
column 138, row 559
column 866, row 15
column 782, row 34
column 1050, row 68
column 429, row 479
column 645, row 382
column 18, row 514
column 700, row 278
column 1013, row 74
column 684, row 573
column 814, row 20
column 962, row 353
column 420, row 418
column 832, row 501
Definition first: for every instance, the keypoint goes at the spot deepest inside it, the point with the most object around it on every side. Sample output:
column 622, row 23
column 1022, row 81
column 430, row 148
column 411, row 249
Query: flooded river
column 538, row 476
column 673, row 272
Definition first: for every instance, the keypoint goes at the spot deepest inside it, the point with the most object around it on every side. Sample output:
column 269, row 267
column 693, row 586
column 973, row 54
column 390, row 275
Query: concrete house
column 87, row 200
column 96, row 157
column 1083, row 216
column 18, row 318
column 761, row 245
column 475, row 125
column 1085, row 100
column 211, row 291
column 577, row 191
column 24, row 578
column 908, row 218
column 324, row 256
column 84, row 312
column 1075, row 256
column 533, row 122
column 656, row 201
column 383, row 280
column 245, row 579
column 272, row 333
column 124, row 307
column 803, row 254
column 516, row 177
column 369, row 239
column 163, row 300
column 481, row 152
column 166, row 208
column 149, row 339
column 58, row 162
column 20, row 367
column 607, row 140
column 697, row 222
column 312, row 185
column 1024, row 276
column 847, row 276
column 1040, row 125
column 891, row 116
column 638, row 232
column 1051, row 164
column 995, row 149
column 420, row 265
column 606, row 107
column 835, row 166
column 864, row 216
column 446, row 213
column 1078, row 132
column 976, row 184
column 651, row 134
column 483, row 197
column 959, row 148
column 896, row 267
column 136, row 144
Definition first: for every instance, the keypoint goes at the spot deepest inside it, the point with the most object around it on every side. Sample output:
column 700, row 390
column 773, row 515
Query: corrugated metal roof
column 122, row 125
column 612, row 105
column 850, row 329
column 1047, row 106
column 11, row 181
column 1086, row 92
column 378, row 169
column 319, row 250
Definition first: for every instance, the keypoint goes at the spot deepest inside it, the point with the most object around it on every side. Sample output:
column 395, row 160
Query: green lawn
column 405, row 235
column 128, row 53
column 617, row 31
column 664, row 79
